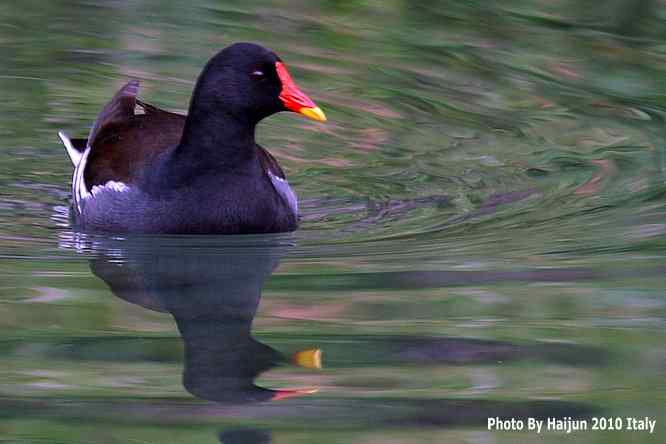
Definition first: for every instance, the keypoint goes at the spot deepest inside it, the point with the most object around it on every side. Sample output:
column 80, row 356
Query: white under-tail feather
column 74, row 154
column 79, row 190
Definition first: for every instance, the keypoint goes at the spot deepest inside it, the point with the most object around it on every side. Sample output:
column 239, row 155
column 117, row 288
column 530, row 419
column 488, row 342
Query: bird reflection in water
column 212, row 287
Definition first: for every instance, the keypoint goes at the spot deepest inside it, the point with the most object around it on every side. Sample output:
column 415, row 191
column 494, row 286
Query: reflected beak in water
column 292, row 393
column 310, row 358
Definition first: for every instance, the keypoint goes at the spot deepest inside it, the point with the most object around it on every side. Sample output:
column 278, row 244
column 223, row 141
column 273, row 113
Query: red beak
column 294, row 99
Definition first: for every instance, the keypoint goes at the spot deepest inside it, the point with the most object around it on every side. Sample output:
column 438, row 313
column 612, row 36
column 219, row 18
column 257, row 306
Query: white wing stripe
column 283, row 188
column 111, row 185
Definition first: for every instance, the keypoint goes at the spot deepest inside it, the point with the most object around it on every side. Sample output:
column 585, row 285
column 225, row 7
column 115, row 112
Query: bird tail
column 74, row 154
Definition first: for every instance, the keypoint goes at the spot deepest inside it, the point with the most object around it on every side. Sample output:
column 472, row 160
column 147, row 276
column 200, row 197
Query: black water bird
column 155, row 171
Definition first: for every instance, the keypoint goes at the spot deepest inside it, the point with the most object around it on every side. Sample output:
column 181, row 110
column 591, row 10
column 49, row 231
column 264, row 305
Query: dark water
column 483, row 229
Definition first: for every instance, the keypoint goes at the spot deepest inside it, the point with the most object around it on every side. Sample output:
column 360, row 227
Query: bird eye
column 257, row 73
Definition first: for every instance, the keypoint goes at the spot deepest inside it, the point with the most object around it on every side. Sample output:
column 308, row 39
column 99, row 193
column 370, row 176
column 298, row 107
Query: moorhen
column 159, row 172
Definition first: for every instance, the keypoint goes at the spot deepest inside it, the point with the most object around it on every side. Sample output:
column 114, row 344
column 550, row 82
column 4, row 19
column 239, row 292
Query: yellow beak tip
column 313, row 113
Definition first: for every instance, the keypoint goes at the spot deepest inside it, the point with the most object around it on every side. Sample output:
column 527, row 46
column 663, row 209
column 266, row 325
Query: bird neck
column 216, row 138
